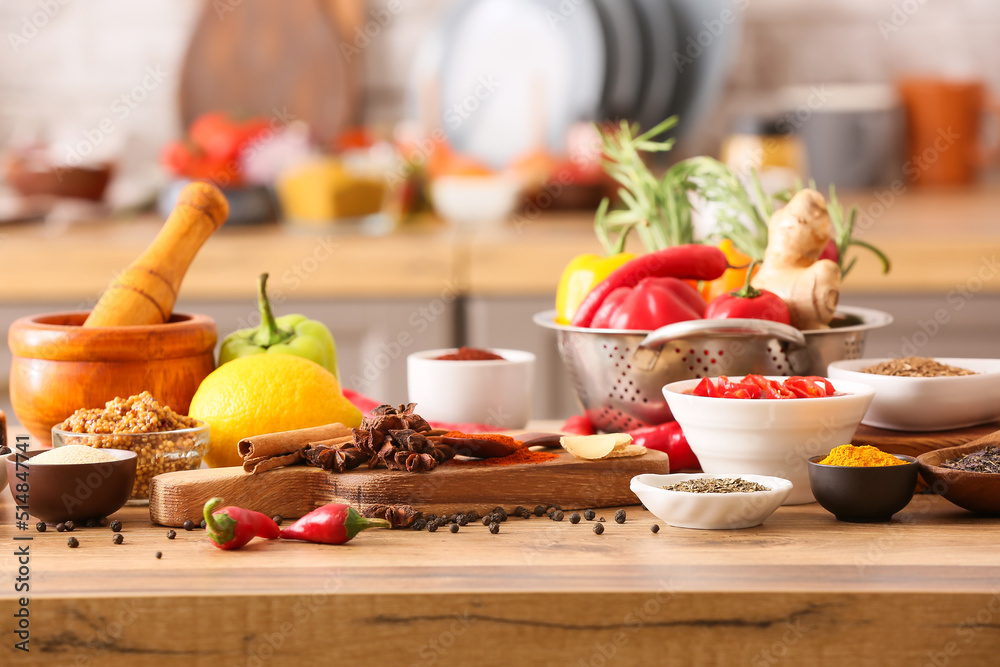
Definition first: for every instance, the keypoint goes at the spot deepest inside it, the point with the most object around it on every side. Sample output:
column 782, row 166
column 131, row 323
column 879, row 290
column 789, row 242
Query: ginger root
column 792, row 268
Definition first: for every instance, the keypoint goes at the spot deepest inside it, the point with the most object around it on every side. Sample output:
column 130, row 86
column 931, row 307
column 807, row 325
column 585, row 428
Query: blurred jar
column 768, row 146
column 344, row 190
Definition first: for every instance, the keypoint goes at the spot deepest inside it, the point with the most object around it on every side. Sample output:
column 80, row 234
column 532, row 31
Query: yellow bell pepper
column 732, row 279
column 579, row 277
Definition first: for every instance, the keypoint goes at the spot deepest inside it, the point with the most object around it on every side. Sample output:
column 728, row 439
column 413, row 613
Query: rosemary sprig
column 657, row 210
column 843, row 235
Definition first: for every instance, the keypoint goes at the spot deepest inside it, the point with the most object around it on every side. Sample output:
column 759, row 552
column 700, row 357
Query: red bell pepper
column 693, row 262
column 668, row 437
column 653, row 303
column 331, row 524
column 232, row 527
column 749, row 302
column 578, row 425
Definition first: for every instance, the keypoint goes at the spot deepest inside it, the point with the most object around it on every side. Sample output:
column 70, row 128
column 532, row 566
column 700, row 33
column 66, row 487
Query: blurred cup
column 853, row 133
column 944, row 119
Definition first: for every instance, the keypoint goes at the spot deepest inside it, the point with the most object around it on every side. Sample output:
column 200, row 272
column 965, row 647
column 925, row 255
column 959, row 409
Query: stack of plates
column 504, row 77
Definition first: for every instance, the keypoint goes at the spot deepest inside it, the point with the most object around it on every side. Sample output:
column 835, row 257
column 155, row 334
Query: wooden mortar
column 59, row 365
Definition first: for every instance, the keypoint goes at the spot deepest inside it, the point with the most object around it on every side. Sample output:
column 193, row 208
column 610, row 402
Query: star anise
column 399, row 516
column 337, row 458
column 412, row 462
column 392, row 436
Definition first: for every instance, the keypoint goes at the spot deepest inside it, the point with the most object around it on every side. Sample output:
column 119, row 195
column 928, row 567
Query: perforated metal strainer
column 618, row 375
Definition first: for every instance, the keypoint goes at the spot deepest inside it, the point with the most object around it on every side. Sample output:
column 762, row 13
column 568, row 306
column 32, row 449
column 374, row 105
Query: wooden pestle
column 146, row 291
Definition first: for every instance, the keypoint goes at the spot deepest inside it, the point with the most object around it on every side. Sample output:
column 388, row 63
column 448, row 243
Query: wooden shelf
column 938, row 241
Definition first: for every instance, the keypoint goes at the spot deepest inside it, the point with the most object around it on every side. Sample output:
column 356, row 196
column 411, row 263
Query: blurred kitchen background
column 416, row 173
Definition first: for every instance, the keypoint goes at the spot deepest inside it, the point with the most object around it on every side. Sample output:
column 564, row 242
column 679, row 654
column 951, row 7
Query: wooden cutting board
column 291, row 60
column 917, row 443
column 296, row 490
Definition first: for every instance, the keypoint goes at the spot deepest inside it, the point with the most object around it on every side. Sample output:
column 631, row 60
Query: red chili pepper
column 233, row 527
column 749, row 302
column 331, row 524
column 578, row 425
column 757, row 386
column 653, row 303
column 696, row 262
column 668, row 437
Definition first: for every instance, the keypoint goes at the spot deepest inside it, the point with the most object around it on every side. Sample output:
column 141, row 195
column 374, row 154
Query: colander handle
column 727, row 328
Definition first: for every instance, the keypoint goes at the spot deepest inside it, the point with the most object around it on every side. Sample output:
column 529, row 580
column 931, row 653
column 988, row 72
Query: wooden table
column 803, row 589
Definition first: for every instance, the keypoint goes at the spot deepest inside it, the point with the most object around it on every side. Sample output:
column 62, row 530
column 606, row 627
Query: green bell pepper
column 288, row 334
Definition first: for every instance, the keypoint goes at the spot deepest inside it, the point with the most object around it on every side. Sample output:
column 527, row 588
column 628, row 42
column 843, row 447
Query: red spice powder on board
column 523, row 455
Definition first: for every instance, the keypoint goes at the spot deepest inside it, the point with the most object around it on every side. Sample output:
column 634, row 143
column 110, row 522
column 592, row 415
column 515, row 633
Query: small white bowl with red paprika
column 771, row 430
column 460, row 386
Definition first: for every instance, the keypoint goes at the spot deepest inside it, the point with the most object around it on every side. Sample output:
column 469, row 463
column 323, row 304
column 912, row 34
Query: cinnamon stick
column 272, row 450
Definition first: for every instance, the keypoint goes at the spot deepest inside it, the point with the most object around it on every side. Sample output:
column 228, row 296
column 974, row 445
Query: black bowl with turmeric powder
column 863, row 494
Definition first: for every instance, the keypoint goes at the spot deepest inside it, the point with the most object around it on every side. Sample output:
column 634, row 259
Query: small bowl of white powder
column 74, row 482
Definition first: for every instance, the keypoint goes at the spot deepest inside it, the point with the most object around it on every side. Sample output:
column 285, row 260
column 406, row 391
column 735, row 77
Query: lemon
column 266, row 393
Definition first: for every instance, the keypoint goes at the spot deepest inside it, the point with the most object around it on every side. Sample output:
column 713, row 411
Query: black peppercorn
column 40, row 526
column 432, row 527
column 589, row 515
column 419, row 524
column 520, row 510
column 73, row 543
column 500, row 513
column 655, row 528
column 60, row 528
column 463, row 519
column 620, row 516
column 488, row 519
column 70, row 526
column 277, row 518
column 557, row 515
column 116, row 525
column 203, row 524
column 454, row 528
column 494, row 528
column 598, row 528
column 159, row 554
column 118, row 538
column 574, row 518
column 90, row 523
column 429, row 518
column 554, row 506
column 171, row 534
column 189, row 525
column 601, row 519
column 103, row 523
column 539, row 510
column 474, row 515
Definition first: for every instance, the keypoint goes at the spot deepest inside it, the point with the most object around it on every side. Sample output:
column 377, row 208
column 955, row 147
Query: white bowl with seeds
column 921, row 401
column 711, row 501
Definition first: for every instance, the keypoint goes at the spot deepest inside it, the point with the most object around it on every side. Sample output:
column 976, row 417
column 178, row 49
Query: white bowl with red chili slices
column 749, row 433
column 926, row 403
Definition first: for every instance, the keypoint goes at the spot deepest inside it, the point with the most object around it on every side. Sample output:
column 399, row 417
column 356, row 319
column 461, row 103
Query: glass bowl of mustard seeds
column 163, row 440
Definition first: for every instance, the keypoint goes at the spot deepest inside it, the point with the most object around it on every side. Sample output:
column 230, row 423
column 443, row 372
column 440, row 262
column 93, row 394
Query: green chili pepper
column 289, row 334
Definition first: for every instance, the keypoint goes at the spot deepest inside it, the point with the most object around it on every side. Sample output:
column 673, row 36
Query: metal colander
column 619, row 375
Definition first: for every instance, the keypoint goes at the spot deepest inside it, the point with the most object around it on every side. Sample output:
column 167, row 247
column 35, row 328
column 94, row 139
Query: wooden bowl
column 975, row 491
column 59, row 366
column 74, row 491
